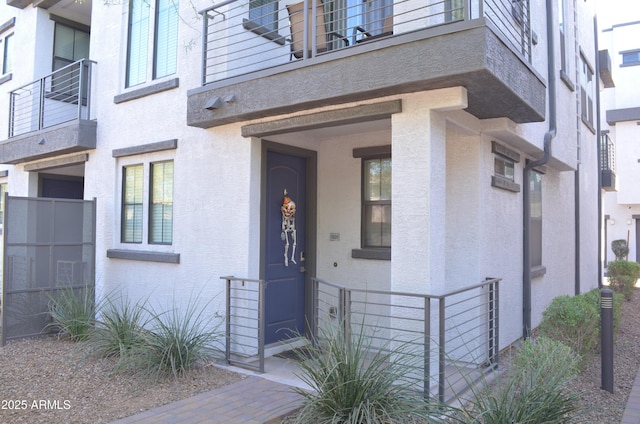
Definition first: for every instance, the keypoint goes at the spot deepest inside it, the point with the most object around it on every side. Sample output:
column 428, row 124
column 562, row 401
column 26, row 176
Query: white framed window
column 152, row 45
column 153, row 217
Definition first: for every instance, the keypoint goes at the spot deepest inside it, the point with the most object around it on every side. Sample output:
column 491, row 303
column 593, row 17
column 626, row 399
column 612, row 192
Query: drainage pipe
column 599, row 153
column 526, row 195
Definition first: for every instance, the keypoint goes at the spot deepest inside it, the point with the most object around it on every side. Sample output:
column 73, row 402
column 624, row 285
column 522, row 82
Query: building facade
column 620, row 123
column 405, row 150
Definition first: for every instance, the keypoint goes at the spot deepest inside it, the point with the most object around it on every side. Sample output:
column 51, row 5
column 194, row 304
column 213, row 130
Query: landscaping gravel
column 47, row 380
column 52, row 381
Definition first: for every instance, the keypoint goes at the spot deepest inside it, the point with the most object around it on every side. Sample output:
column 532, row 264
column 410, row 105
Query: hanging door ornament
column 288, row 210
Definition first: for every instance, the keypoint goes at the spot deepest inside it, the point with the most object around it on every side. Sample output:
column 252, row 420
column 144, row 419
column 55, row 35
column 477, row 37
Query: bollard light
column 606, row 338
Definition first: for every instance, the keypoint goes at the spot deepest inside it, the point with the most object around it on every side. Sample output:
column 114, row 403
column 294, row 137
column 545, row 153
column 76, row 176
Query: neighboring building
column 620, row 125
column 404, row 150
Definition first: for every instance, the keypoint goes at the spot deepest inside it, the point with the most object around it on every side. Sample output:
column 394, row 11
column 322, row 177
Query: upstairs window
column 586, row 92
column 7, row 53
column 630, row 58
column 164, row 43
column 264, row 14
column 70, row 45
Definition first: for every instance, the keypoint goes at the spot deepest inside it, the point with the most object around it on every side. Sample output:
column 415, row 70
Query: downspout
column 599, row 153
column 548, row 137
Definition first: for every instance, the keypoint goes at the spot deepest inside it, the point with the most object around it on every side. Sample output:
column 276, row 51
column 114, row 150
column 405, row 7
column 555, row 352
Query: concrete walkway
column 254, row 400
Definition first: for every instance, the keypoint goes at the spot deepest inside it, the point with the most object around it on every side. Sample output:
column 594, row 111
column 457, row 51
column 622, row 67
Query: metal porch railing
column 244, row 321
column 449, row 341
column 62, row 96
column 607, row 153
column 244, row 36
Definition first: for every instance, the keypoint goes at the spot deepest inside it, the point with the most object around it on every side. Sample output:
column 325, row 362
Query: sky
column 616, row 11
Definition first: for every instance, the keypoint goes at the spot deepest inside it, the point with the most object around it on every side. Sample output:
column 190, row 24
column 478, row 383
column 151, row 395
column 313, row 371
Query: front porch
column 447, row 341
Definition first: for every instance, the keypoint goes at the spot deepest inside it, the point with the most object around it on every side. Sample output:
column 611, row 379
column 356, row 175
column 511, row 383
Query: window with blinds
column 377, row 202
column 6, row 44
column 264, row 14
column 69, row 46
column 132, row 203
column 164, row 28
column 161, row 203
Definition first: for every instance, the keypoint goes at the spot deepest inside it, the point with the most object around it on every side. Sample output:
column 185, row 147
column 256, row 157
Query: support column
column 419, row 190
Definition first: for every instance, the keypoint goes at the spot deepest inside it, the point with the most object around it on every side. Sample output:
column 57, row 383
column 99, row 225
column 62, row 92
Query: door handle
column 303, row 269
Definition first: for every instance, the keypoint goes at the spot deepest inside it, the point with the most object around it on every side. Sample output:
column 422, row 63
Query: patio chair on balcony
column 387, row 29
column 324, row 38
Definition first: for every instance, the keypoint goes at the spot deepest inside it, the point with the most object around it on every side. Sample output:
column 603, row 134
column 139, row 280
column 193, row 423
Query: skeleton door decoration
column 288, row 210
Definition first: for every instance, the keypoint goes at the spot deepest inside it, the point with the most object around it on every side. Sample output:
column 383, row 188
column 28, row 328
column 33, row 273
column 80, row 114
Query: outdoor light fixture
column 213, row 103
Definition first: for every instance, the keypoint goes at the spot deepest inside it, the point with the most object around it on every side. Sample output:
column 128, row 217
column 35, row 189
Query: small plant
column 620, row 249
column 73, row 312
column 175, row 341
column 623, row 276
column 574, row 321
column 355, row 382
column 535, row 390
column 120, row 329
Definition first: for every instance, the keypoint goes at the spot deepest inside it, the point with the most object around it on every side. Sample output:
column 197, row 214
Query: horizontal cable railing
column 62, row 96
column 607, row 153
column 447, row 342
column 243, row 36
column 244, row 322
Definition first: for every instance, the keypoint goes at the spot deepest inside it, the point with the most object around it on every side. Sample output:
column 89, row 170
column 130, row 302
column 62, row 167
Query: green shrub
column 73, row 312
column 623, row 276
column 535, row 390
column 355, row 382
column 593, row 297
column 175, row 340
column 120, row 329
column 574, row 321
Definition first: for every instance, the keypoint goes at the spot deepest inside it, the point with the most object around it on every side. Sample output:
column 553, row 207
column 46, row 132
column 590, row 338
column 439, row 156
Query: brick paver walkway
column 254, row 400
column 632, row 411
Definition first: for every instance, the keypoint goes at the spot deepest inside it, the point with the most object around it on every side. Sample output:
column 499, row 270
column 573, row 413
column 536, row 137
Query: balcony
column 254, row 64
column 607, row 163
column 51, row 116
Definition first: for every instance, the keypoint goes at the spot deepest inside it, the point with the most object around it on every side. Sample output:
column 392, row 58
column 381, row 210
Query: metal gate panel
column 49, row 245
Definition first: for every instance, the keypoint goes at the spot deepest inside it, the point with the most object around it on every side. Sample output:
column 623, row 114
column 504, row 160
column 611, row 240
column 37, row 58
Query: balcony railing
column 62, row 96
column 244, row 36
column 607, row 153
column 607, row 162
column 448, row 341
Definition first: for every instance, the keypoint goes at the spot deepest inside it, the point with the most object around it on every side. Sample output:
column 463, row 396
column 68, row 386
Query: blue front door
column 285, row 223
